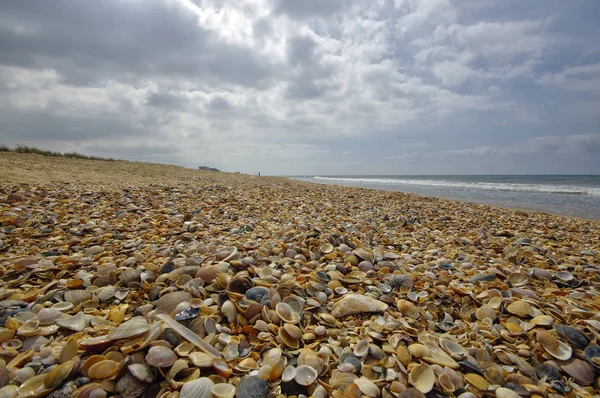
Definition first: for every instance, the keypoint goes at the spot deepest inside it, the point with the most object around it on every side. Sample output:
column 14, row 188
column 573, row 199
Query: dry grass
column 16, row 168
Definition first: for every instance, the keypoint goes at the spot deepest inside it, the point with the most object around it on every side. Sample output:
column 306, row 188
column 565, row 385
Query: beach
column 136, row 279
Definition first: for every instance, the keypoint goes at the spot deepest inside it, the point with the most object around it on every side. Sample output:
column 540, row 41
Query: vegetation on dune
column 45, row 152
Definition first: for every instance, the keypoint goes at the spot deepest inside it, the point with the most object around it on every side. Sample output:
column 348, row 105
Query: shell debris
column 198, row 284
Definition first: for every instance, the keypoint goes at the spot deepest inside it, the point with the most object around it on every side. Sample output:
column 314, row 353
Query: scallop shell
column 354, row 303
column 199, row 388
column 553, row 346
column 305, row 375
column 422, row 377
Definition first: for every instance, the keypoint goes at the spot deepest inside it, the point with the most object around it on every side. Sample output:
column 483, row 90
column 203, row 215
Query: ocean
column 567, row 195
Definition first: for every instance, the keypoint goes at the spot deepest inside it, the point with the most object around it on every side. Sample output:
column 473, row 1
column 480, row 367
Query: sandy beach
column 136, row 279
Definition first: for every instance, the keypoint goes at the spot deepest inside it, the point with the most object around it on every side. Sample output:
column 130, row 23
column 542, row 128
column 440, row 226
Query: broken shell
column 141, row 371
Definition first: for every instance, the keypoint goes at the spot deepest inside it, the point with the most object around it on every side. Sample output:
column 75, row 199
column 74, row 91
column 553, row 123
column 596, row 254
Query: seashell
column 352, row 304
column 141, row 371
column 422, row 377
column 230, row 311
column 23, row 374
column 477, row 381
column 246, row 365
column 91, row 390
column 167, row 303
column 75, row 323
column 251, row 387
column 573, row 336
column 288, row 374
column 305, row 375
column 34, row 387
column 69, row 350
column 103, row 369
column 134, row 327
column 231, row 351
column 419, row 350
column 6, row 334
column 208, row 273
column 502, row 392
column 486, row 311
column 367, row 387
column 222, row 368
column 271, row 356
column 29, row 328
column 48, row 316
column 160, row 356
column 520, row 308
column 190, row 336
column 57, row 375
column 130, row 387
column 223, row 390
column 76, row 297
column 580, row 370
column 364, row 254
column 542, row 320
column 63, row 306
column 565, row 276
column 287, row 339
column 362, row 348
column 286, row 313
column 326, row 248
column 106, row 293
column 455, row 350
column 201, row 359
column 592, row 354
column 9, row 391
column 257, row 293
column 553, row 346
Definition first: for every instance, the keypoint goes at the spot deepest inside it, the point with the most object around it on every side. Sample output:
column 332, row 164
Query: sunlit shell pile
column 229, row 286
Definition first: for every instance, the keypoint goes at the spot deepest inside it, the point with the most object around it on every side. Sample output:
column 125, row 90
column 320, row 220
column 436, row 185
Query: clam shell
column 354, row 303
column 286, row 313
column 223, row 390
column 91, row 390
column 252, row 387
column 141, row 371
column 288, row 374
column 160, row 356
column 553, row 346
column 367, row 387
column 422, row 377
column 104, row 369
column 69, row 350
column 48, row 316
column 580, row 370
column 573, row 336
column 362, row 348
column 520, row 308
column 168, row 302
column 132, row 328
column 592, row 354
column 34, row 387
column 57, row 375
column 502, row 392
column 305, row 375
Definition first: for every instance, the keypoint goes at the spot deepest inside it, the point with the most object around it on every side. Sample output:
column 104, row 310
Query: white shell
column 199, row 388
column 75, row 323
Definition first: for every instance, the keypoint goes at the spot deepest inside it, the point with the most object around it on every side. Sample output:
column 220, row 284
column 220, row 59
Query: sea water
column 568, row 195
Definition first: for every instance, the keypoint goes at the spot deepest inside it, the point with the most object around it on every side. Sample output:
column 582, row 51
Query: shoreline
column 360, row 291
column 544, row 209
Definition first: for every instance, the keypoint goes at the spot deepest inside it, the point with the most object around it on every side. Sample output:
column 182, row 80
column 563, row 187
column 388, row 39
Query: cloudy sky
column 308, row 86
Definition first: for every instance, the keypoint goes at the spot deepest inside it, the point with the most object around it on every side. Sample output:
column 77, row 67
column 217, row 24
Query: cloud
column 296, row 87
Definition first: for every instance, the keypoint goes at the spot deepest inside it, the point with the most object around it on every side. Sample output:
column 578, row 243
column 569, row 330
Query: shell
column 91, row 390
column 305, row 375
column 286, row 313
column 34, row 387
column 367, row 387
column 69, row 350
column 223, row 390
column 288, row 374
column 409, row 309
column 132, row 328
column 592, row 354
column 422, row 377
column 553, row 346
column 580, row 370
column 520, row 308
column 355, row 303
column 190, row 336
column 75, row 323
column 502, row 392
column 362, row 348
column 160, row 356
column 104, row 369
column 573, row 336
column 141, row 371
column 60, row 373
column 168, row 302
column 251, row 387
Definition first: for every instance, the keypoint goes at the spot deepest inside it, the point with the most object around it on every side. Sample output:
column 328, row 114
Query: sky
column 308, row 87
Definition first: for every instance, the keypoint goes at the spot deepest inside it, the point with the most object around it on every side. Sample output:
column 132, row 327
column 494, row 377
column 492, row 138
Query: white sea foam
column 490, row 186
